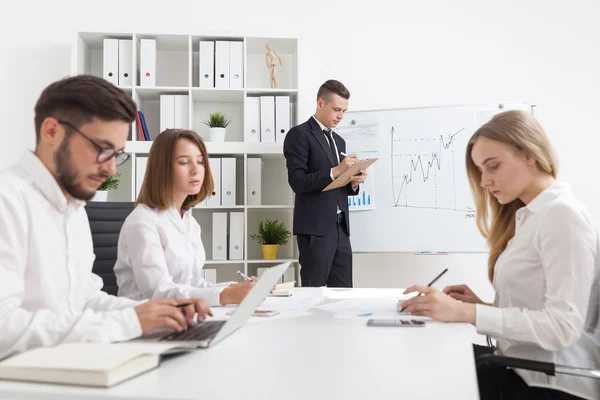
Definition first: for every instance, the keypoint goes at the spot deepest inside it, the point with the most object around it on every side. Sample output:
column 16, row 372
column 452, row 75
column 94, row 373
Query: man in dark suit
column 321, row 220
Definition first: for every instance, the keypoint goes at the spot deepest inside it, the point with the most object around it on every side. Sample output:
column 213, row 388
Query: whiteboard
column 417, row 196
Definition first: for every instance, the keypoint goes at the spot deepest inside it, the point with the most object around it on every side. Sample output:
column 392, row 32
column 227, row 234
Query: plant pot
column 216, row 134
column 101, row 195
column 269, row 251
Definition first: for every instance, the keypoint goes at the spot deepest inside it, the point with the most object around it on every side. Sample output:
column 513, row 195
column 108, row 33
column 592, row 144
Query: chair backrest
column 106, row 220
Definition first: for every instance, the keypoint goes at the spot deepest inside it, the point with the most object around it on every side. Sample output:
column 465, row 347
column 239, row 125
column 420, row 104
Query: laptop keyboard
column 202, row 331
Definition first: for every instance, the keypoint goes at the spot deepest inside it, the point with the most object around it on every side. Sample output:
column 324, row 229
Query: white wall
column 389, row 53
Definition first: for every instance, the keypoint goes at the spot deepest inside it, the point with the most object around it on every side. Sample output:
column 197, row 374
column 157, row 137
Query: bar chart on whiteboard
column 365, row 200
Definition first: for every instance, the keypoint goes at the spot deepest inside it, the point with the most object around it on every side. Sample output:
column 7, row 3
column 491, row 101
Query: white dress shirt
column 337, row 153
column 547, row 302
column 161, row 255
column 48, row 294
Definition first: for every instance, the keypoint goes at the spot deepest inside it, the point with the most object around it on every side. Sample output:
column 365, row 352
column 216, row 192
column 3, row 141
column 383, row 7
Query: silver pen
column 243, row 275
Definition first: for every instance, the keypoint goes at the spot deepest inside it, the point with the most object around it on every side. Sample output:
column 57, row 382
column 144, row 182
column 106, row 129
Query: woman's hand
column 463, row 293
column 438, row 305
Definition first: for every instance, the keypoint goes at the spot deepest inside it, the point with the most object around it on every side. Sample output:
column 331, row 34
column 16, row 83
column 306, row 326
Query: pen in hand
column 246, row 277
column 432, row 282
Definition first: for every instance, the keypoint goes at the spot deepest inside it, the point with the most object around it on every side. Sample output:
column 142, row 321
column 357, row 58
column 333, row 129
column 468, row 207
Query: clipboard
column 344, row 178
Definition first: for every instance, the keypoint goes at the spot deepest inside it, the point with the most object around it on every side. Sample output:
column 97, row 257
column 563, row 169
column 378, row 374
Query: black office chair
column 551, row 369
column 492, row 360
column 106, row 220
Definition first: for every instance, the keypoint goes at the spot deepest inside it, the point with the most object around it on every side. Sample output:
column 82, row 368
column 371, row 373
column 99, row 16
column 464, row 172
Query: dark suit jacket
column 309, row 161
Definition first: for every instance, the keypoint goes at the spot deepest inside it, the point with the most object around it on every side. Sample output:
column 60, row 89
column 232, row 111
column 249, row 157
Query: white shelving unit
column 177, row 72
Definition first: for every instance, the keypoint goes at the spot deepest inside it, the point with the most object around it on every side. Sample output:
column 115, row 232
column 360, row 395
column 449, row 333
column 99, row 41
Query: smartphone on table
column 396, row 322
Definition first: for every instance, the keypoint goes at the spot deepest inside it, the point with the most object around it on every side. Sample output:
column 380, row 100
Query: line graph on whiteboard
column 428, row 172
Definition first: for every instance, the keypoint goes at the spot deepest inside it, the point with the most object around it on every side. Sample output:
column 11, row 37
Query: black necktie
column 329, row 137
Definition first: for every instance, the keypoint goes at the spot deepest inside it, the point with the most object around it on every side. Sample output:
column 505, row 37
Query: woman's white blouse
column 547, row 292
column 161, row 254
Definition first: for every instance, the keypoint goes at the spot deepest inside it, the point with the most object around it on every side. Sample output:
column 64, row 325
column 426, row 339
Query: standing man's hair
column 80, row 99
column 332, row 87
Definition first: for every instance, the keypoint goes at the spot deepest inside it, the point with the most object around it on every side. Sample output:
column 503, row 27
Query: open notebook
column 88, row 364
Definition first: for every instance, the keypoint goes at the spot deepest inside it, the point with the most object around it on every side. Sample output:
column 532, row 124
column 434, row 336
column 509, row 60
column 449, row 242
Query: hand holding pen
column 235, row 293
column 253, row 279
column 436, row 304
column 429, row 284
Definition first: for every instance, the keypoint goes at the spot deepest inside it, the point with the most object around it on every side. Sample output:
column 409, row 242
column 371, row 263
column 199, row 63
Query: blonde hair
column 521, row 131
column 157, row 187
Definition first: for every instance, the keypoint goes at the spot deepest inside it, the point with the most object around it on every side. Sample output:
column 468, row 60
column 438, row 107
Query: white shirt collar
column 180, row 222
column 323, row 127
column 46, row 183
column 547, row 195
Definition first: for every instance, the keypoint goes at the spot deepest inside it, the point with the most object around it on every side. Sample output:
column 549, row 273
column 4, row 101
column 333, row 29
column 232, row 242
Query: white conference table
column 314, row 354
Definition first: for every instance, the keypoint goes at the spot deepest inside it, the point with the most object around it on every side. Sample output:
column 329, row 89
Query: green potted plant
column 111, row 183
column 270, row 235
column 217, row 124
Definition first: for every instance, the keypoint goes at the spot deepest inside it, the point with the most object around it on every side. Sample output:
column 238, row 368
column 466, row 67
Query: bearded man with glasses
column 48, row 294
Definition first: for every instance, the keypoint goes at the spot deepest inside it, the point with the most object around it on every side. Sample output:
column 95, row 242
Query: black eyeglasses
column 104, row 153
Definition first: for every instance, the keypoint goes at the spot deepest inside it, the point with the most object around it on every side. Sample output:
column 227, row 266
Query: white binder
column 236, row 65
column 110, row 61
column 254, row 194
column 140, row 171
column 167, row 111
column 148, row 62
column 181, row 112
column 252, row 132
column 214, row 200
column 267, row 119
column 219, row 236
column 228, row 183
column 222, row 64
column 282, row 117
column 210, row 275
column 236, row 236
column 206, row 54
column 125, row 62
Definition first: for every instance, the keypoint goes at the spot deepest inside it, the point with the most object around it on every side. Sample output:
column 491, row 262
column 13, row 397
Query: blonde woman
column 543, row 264
column 160, row 251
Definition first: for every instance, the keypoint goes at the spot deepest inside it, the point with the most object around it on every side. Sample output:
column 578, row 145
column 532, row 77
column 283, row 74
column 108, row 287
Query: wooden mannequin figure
column 271, row 64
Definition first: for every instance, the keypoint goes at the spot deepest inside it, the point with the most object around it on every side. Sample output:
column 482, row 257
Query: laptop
column 208, row 333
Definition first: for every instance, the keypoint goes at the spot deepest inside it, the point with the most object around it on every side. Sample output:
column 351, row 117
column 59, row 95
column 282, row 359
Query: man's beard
column 68, row 175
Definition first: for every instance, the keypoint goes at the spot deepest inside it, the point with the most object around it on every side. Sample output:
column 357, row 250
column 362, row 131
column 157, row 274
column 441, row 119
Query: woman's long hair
column 521, row 131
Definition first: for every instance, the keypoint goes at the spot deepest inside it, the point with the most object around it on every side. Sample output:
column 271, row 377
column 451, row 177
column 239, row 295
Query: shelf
column 218, row 208
column 126, row 89
column 218, row 95
column 224, row 262
column 153, row 93
column 261, row 207
column 168, row 41
column 278, row 261
column 274, row 207
column 214, row 148
column 273, row 92
column 257, row 71
column 177, row 73
column 283, row 46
